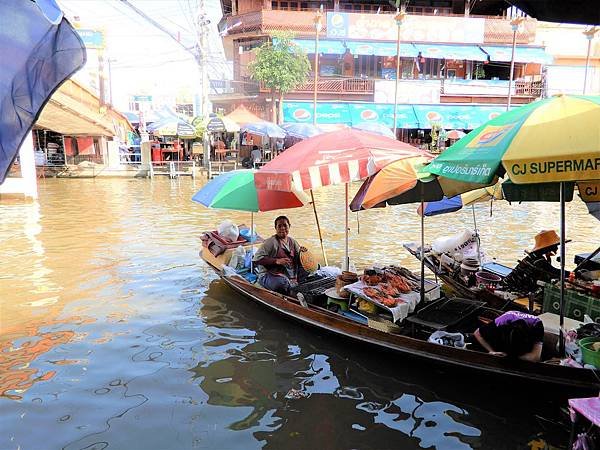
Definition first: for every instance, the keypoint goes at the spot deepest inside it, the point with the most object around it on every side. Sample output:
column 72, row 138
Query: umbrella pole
column 561, row 348
column 252, row 242
column 312, row 199
column 346, row 265
column 422, row 293
column 477, row 242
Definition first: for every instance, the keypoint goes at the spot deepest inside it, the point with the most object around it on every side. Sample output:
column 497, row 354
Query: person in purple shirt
column 513, row 334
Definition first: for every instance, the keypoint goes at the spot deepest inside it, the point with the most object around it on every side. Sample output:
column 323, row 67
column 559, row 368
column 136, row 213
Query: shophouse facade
column 455, row 61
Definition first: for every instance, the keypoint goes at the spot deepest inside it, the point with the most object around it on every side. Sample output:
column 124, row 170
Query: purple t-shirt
column 493, row 332
column 513, row 316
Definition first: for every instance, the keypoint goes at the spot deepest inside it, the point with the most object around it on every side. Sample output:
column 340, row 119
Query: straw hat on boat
column 308, row 261
column 545, row 239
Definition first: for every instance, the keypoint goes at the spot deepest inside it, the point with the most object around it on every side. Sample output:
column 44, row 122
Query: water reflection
column 302, row 389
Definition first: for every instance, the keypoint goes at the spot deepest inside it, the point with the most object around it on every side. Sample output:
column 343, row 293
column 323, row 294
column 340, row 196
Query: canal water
column 114, row 334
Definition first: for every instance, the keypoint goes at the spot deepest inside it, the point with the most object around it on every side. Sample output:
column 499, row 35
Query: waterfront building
column 455, row 60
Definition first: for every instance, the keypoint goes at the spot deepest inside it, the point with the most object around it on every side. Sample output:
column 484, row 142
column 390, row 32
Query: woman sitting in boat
column 513, row 334
column 278, row 259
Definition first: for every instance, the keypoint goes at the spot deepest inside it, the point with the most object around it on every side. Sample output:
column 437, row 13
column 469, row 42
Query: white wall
column 569, row 80
column 27, row 183
column 409, row 91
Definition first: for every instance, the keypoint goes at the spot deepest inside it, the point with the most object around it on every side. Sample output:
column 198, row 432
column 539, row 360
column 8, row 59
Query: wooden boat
column 569, row 378
column 457, row 287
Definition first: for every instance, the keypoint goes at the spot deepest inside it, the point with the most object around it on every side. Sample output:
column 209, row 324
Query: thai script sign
column 91, row 38
column 382, row 27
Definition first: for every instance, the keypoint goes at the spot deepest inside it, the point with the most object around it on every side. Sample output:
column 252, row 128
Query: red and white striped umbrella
column 332, row 158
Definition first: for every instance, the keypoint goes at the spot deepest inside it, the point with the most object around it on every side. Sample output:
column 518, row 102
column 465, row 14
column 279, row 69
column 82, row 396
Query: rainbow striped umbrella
column 236, row 190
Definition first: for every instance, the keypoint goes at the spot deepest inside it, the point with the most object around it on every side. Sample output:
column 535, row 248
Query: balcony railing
column 335, row 86
column 496, row 29
column 529, row 88
column 233, row 88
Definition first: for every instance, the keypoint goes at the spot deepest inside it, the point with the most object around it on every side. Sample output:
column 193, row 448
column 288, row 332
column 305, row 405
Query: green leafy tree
column 199, row 124
column 281, row 66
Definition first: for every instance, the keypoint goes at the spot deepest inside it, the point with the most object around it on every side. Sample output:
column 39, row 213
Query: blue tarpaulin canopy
column 301, row 130
column 332, row 47
column 444, row 206
column 437, row 51
column 375, row 127
column 39, row 51
column 407, row 50
column 503, row 53
column 268, row 129
column 448, row 51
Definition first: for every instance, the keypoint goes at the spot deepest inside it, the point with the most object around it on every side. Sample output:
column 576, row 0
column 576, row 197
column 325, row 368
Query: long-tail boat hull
column 571, row 378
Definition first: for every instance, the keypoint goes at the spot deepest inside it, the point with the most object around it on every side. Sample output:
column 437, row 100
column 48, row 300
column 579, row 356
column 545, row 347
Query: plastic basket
column 487, row 280
column 589, row 356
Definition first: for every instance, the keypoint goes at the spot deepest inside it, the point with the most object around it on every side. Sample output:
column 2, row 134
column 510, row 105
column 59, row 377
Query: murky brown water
column 113, row 334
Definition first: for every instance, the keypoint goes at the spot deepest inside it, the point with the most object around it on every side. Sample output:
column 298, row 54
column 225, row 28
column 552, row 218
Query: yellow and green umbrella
column 555, row 140
column 552, row 140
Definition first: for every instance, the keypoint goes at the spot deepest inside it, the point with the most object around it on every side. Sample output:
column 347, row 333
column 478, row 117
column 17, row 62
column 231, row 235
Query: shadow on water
column 306, row 389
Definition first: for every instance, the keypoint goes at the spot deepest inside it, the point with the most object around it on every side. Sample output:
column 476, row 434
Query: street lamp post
column 318, row 21
column 110, row 84
column 589, row 34
column 398, row 19
column 515, row 27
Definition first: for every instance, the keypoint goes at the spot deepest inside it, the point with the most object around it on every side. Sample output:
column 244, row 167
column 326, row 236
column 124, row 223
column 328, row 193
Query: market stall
column 172, row 139
column 224, row 137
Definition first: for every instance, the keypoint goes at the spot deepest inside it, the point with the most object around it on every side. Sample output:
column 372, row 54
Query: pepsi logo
column 337, row 20
column 301, row 114
column 433, row 116
column 368, row 114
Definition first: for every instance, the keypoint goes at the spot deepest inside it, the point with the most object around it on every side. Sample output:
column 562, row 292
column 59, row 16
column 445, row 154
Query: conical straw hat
column 546, row 238
column 308, row 261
